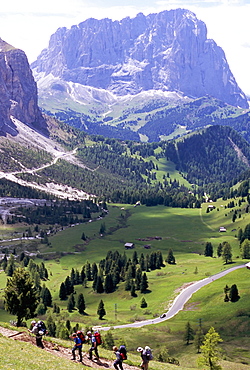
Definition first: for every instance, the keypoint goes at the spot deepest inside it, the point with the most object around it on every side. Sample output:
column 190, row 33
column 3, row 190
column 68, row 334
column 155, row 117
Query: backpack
column 98, row 338
column 123, row 352
column 149, row 353
column 81, row 336
column 41, row 327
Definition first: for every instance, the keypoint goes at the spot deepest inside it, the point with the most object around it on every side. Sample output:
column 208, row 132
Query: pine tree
column 170, row 257
column 240, row 235
column 219, row 250
column 132, row 290
column 138, row 277
column 68, row 325
column 72, row 276
column 99, row 285
column 62, row 292
column 71, row 303
column 51, row 326
column 82, row 274
column 108, row 285
column 4, row 262
column 189, row 333
column 210, row 350
column 198, row 338
column 233, row 293
column 159, row 260
column 9, row 270
column 68, row 285
column 143, row 303
column 94, row 271
column 226, row 289
column 135, row 258
column 144, row 283
column 208, row 252
column 20, row 295
column 88, row 271
column 46, row 297
column 245, row 249
column 81, row 304
column 226, row 252
column 101, row 310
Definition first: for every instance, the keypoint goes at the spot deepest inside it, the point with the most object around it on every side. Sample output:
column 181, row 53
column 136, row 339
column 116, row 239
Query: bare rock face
column 18, row 91
column 168, row 51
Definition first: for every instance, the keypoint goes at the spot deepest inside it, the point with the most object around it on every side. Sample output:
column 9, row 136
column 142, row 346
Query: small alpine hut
column 129, row 245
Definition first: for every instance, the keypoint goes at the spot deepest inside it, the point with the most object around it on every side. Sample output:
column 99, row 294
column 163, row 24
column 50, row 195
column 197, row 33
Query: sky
column 28, row 24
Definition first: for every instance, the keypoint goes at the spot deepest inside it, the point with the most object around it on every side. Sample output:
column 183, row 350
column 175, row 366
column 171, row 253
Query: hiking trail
column 60, row 351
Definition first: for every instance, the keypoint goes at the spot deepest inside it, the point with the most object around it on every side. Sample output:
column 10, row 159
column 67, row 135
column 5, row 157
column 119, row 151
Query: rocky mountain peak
column 18, row 91
column 166, row 51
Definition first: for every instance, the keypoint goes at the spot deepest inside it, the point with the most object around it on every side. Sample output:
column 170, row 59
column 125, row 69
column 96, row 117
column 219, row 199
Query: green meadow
column 185, row 231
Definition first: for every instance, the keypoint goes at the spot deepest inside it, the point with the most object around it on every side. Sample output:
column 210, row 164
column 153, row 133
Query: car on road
column 163, row 315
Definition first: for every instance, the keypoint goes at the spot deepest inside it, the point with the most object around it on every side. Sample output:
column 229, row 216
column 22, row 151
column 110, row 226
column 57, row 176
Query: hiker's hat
column 147, row 348
column 89, row 333
column 139, row 349
column 33, row 322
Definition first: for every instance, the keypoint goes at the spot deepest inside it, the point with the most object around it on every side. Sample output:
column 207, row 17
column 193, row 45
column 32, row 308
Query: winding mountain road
column 179, row 301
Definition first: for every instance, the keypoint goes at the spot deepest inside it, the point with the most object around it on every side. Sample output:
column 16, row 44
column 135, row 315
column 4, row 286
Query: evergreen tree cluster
column 231, row 294
column 244, row 236
column 61, row 212
column 194, row 153
column 112, row 270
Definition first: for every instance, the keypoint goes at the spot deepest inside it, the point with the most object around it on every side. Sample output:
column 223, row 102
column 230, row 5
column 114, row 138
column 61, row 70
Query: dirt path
column 60, row 351
column 29, row 136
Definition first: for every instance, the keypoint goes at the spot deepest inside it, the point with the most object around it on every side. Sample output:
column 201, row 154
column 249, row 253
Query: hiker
column 38, row 333
column 93, row 347
column 77, row 346
column 144, row 357
column 119, row 359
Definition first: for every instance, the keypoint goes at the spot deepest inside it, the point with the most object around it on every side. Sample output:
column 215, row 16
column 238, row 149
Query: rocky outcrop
column 168, row 51
column 18, row 91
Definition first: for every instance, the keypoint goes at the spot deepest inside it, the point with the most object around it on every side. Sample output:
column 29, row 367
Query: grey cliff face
column 18, row 90
column 167, row 51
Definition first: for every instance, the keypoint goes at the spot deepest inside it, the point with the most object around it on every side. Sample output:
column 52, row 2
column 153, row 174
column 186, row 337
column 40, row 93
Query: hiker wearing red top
column 77, row 346
column 93, row 347
column 119, row 358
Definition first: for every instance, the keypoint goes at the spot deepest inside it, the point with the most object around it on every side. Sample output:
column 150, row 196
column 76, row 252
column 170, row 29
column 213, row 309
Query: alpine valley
column 123, row 142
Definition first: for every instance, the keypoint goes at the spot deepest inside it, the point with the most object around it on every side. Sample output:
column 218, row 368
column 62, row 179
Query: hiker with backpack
column 38, row 329
column 119, row 359
column 146, row 356
column 95, row 340
column 77, row 346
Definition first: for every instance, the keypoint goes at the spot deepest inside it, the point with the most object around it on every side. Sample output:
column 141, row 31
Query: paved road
column 179, row 301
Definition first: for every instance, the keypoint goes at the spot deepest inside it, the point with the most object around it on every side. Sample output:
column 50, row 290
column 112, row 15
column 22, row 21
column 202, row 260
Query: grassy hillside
column 185, row 231
column 143, row 117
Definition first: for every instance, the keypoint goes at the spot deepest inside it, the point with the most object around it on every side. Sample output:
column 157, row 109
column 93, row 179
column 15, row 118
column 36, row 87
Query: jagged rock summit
column 167, row 51
column 18, row 91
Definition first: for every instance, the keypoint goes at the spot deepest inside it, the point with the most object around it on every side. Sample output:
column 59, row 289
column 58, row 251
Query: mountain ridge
column 166, row 51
